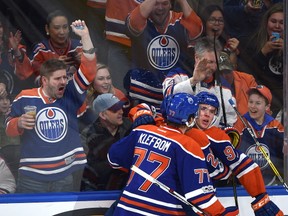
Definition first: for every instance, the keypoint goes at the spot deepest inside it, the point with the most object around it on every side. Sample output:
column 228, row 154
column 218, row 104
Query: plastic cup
column 31, row 110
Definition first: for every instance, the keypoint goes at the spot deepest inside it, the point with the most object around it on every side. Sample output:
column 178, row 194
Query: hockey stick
column 218, row 79
column 266, row 156
column 166, row 188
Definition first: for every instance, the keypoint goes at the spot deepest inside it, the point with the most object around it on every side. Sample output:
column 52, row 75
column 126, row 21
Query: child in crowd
column 268, row 131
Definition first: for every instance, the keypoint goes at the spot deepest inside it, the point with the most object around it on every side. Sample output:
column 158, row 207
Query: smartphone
column 276, row 36
column 73, row 55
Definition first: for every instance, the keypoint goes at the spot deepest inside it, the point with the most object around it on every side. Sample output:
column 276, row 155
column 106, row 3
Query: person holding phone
column 58, row 45
column 265, row 52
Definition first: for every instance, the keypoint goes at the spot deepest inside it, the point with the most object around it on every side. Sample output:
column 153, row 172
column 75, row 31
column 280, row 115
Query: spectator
column 245, row 170
column 51, row 154
column 268, row 131
column 205, row 78
column 9, row 146
column 248, row 18
column 214, row 29
column 58, row 45
column 238, row 82
column 3, row 91
column 174, row 159
column 119, row 44
column 101, row 84
column 95, row 16
column 164, row 36
column 7, row 181
column 11, row 61
column 266, row 55
column 109, row 127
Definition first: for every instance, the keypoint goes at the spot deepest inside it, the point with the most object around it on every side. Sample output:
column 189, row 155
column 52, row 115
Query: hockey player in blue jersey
column 51, row 150
column 222, row 159
column 221, row 150
column 170, row 157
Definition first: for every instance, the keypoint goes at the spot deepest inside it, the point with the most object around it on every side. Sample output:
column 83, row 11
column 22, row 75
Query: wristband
column 90, row 51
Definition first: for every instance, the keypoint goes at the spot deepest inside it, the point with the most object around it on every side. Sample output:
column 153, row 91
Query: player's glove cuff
column 141, row 115
column 263, row 206
column 234, row 135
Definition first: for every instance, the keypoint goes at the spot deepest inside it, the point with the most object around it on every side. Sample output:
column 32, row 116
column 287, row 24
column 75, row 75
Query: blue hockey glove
column 231, row 211
column 263, row 206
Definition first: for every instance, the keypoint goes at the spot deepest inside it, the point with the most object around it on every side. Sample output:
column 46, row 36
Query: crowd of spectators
column 153, row 49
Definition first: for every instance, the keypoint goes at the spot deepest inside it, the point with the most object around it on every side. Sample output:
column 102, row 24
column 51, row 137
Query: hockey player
column 172, row 158
column 222, row 159
column 247, row 172
column 51, row 150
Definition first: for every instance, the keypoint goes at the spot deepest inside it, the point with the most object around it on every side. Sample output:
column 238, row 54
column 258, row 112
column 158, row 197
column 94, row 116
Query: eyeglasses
column 214, row 21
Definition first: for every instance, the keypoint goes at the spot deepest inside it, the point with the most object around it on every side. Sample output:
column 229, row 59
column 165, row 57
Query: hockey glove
column 263, row 206
column 231, row 211
column 234, row 135
column 141, row 115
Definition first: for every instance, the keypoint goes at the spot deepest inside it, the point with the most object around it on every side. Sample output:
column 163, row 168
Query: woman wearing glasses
column 214, row 23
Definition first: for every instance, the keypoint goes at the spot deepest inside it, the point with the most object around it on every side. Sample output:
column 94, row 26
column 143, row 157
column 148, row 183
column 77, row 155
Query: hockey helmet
column 208, row 98
column 180, row 107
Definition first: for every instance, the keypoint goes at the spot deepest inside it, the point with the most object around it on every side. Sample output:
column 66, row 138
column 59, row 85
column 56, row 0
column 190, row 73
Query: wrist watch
column 90, row 51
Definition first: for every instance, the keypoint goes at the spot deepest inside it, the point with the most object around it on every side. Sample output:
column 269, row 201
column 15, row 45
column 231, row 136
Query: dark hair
column 206, row 13
column 54, row 14
column 260, row 36
column 50, row 66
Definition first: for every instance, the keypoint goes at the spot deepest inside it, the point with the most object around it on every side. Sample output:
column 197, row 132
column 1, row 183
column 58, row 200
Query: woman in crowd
column 214, row 28
column 266, row 52
column 58, row 45
column 101, row 84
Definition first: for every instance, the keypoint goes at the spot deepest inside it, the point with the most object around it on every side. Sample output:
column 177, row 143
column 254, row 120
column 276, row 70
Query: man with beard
column 51, row 150
column 159, row 41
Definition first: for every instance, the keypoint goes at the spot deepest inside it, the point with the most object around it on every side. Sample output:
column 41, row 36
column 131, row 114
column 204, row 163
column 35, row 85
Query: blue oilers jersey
column 271, row 137
column 219, row 150
column 173, row 159
column 156, row 51
column 52, row 150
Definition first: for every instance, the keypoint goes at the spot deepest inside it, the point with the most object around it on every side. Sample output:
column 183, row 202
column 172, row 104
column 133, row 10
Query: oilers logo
column 51, row 124
column 255, row 153
column 163, row 52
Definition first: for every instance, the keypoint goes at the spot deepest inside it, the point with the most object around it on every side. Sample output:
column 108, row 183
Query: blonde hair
column 91, row 92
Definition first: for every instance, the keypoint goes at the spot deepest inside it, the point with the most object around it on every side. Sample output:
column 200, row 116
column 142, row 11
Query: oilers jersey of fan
column 219, row 150
column 271, row 136
column 173, row 159
column 155, row 52
column 52, row 150
column 45, row 50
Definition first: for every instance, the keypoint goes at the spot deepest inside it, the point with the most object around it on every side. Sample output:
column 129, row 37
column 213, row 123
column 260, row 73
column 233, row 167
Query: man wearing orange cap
column 267, row 130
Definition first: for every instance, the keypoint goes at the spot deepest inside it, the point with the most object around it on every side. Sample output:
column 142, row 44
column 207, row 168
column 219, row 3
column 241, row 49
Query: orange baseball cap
column 263, row 90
